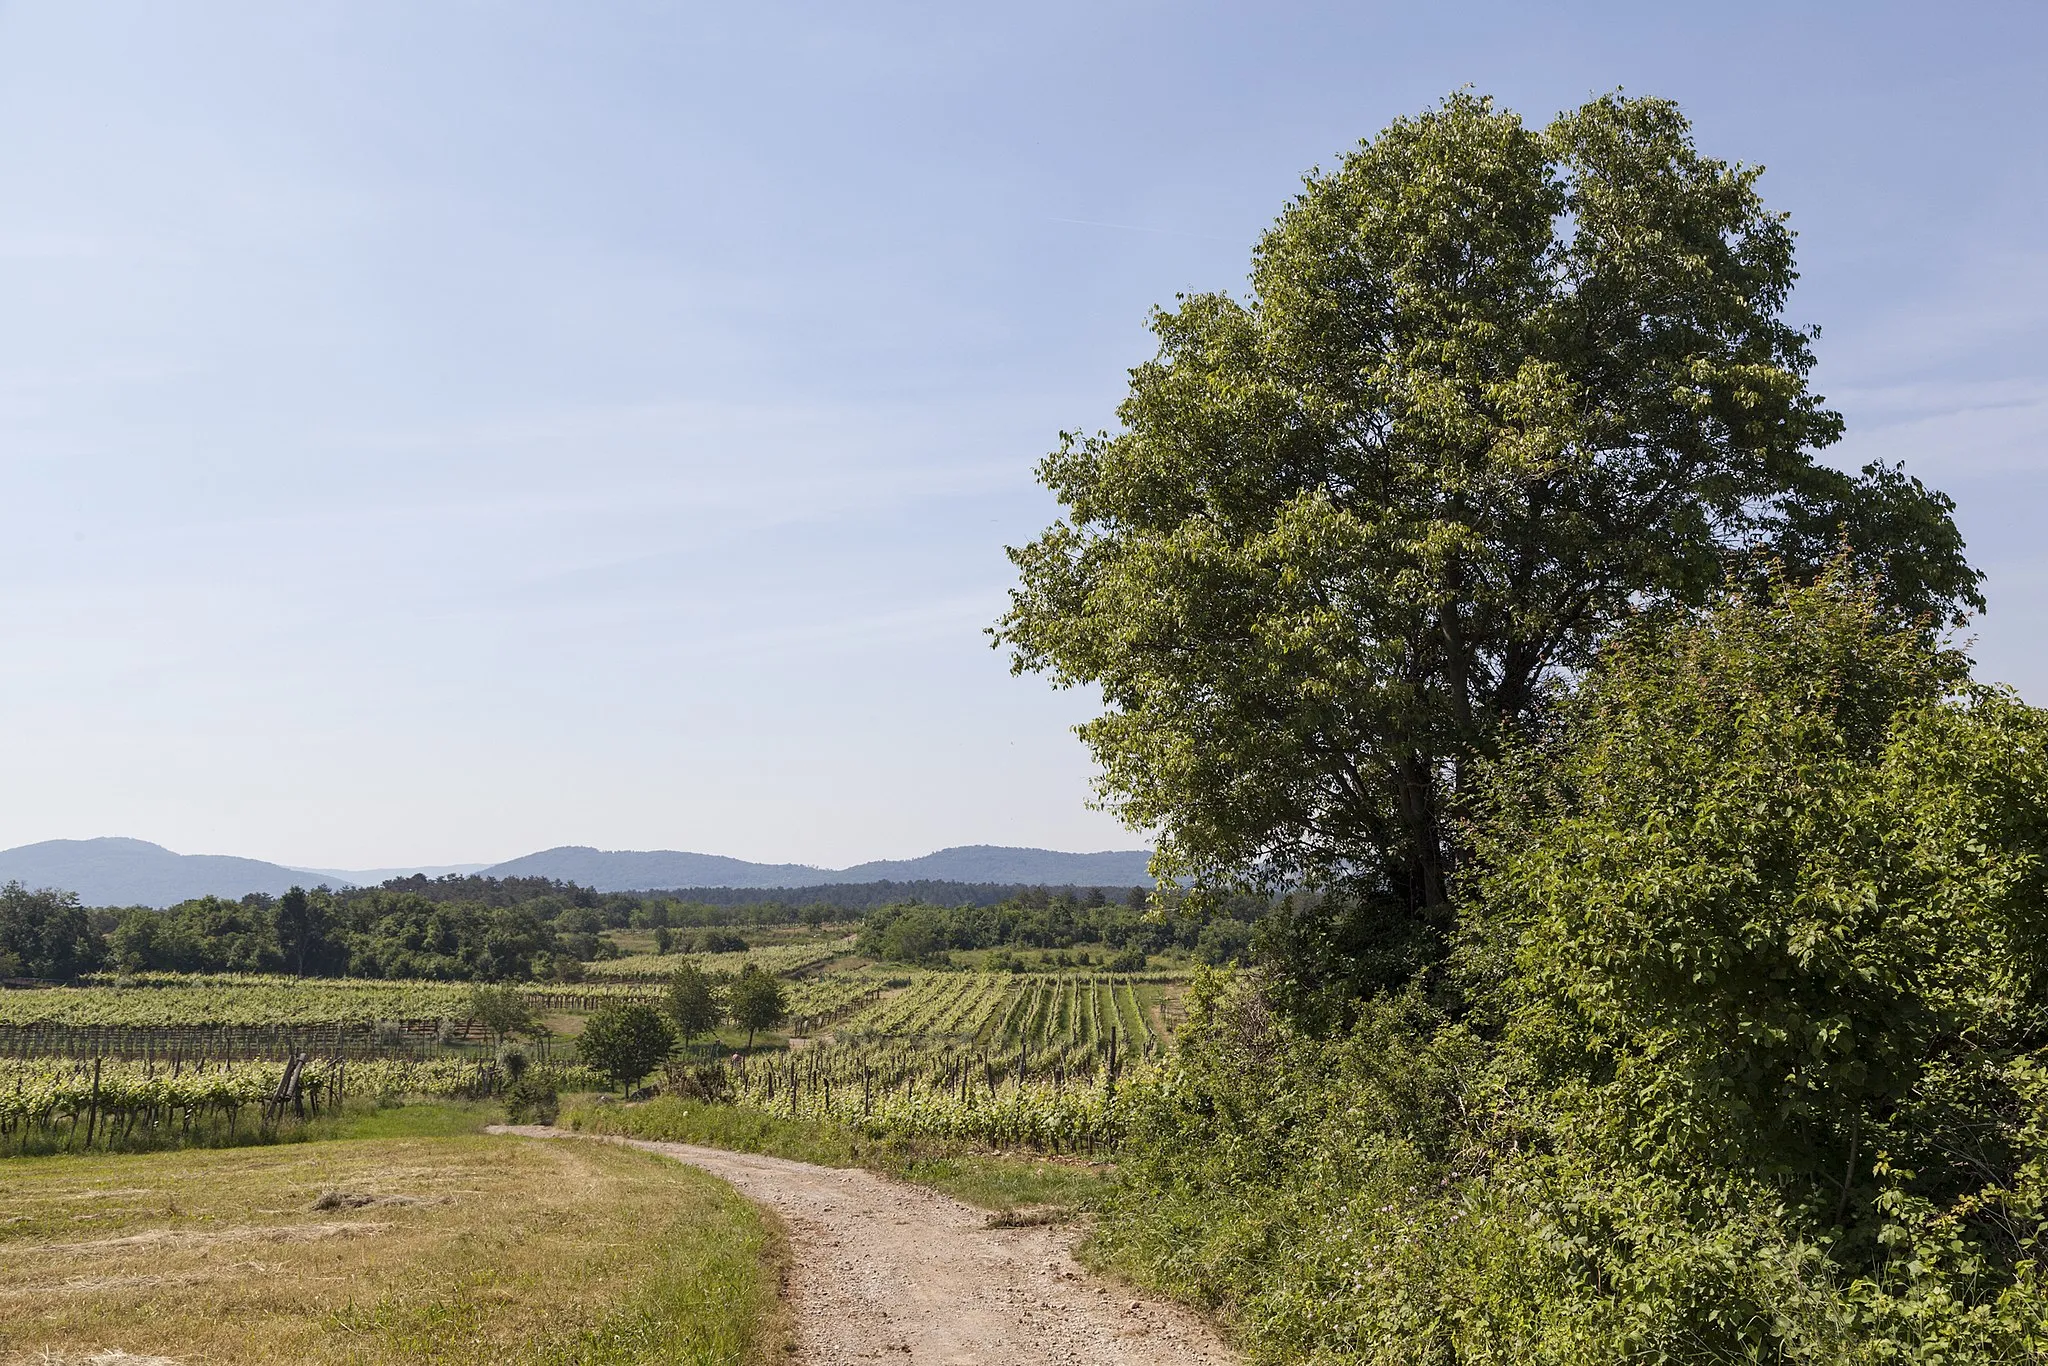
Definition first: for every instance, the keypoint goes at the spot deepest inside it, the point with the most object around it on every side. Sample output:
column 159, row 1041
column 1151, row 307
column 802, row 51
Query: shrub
column 1743, row 1057
column 531, row 1100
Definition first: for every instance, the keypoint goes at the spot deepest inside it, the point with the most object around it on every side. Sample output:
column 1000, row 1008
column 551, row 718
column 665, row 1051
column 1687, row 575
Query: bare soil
column 884, row 1271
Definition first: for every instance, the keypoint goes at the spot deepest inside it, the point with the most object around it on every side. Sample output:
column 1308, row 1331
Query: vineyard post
column 93, row 1118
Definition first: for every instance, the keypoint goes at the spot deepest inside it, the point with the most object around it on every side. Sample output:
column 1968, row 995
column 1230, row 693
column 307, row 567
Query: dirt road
column 884, row 1271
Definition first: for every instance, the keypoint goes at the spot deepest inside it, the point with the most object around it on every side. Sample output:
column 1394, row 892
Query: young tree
column 692, row 1002
column 503, row 1011
column 1496, row 388
column 756, row 1000
column 626, row 1041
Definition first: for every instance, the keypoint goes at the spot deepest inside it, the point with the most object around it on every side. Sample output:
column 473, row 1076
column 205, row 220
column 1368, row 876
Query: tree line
column 461, row 928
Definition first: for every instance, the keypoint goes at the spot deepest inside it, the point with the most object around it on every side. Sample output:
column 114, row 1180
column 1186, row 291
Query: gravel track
column 884, row 1271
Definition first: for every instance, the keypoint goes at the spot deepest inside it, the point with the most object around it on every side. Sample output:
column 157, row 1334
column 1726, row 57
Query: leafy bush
column 531, row 1100
column 1743, row 1054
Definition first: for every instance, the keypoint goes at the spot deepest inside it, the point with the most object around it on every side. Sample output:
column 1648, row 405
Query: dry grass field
column 443, row 1249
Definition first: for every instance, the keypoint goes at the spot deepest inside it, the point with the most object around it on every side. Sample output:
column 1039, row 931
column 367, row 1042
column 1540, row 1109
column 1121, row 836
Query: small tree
column 692, row 1003
column 756, row 1001
column 625, row 1041
column 503, row 1011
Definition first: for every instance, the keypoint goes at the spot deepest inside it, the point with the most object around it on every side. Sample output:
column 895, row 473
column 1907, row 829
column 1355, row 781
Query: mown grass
column 999, row 1182
column 472, row 1249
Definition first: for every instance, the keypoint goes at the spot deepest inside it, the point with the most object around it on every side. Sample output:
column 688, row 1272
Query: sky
column 434, row 432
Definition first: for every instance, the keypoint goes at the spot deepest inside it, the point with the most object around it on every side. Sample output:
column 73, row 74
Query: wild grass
column 450, row 1248
column 998, row 1182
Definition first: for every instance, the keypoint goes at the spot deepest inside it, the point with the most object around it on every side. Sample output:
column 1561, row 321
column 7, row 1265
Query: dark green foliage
column 531, row 1100
column 1496, row 389
column 756, row 1000
column 626, row 1041
column 45, row 935
column 1743, row 1053
column 1779, row 879
column 910, row 934
column 402, row 934
column 304, row 924
column 708, row 941
column 1223, row 941
column 693, row 1002
column 1037, row 919
column 1322, row 956
column 206, row 935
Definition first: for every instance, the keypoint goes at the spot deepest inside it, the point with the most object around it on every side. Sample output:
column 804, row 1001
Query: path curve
column 885, row 1271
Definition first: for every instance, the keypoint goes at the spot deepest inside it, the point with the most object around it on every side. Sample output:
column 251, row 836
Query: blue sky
column 434, row 432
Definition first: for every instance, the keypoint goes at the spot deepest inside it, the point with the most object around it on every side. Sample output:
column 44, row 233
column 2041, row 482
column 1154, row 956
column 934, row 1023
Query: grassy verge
column 999, row 1182
column 447, row 1248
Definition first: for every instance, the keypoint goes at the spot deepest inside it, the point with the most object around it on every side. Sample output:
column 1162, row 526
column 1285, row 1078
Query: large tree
column 1495, row 388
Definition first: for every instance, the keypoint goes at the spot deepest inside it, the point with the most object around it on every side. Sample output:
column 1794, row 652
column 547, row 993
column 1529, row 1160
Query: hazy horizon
column 438, row 432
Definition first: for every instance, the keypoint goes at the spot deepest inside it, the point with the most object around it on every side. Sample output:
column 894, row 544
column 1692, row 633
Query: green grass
column 993, row 1181
column 414, row 1119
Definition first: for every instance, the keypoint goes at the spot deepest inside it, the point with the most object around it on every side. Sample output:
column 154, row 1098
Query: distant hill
column 129, row 872
column 370, row 877
column 638, row 870
column 629, row 870
column 997, row 863
column 124, row 872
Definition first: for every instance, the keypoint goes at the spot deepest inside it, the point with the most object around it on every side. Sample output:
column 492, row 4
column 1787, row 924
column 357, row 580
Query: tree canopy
column 625, row 1041
column 45, row 934
column 756, row 1000
column 1495, row 389
column 692, row 1002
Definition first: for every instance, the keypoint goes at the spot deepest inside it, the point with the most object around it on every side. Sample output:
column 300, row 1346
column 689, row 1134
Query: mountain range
column 131, row 872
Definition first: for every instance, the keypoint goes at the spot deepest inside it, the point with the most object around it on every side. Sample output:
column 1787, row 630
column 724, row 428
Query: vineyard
column 1072, row 1017
column 171, row 1000
column 1025, row 1059
column 783, row 960
column 255, row 1009
column 101, row 1099
column 991, row 1059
